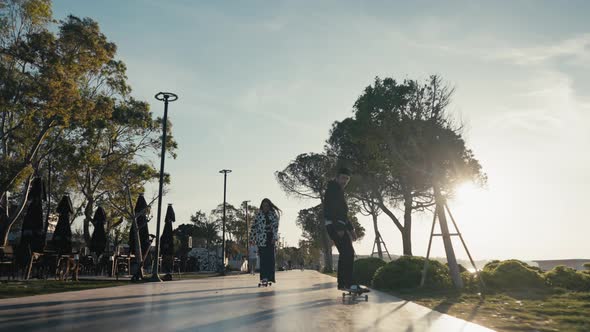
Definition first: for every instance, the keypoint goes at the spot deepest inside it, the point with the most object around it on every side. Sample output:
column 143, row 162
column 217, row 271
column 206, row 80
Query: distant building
column 577, row 264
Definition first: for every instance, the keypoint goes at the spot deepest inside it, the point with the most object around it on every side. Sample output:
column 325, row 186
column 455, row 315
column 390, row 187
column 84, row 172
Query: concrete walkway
column 300, row 301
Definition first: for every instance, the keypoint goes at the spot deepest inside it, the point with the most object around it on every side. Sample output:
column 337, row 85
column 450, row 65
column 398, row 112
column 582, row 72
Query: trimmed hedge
column 406, row 273
column 365, row 268
column 511, row 274
column 568, row 278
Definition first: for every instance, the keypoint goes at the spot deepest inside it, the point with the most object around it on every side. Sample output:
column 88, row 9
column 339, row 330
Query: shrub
column 587, row 266
column 568, row 278
column 406, row 273
column 490, row 266
column 461, row 267
column 365, row 268
column 470, row 281
column 511, row 274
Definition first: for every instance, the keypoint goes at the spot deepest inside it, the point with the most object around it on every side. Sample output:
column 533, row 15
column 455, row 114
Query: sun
column 469, row 199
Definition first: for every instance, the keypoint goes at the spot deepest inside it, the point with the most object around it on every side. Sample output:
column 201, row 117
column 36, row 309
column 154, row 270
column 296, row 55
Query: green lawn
column 524, row 311
column 193, row 276
column 10, row 289
column 36, row 287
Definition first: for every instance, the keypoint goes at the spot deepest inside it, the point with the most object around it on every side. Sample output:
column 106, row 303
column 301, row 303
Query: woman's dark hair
column 272, row 206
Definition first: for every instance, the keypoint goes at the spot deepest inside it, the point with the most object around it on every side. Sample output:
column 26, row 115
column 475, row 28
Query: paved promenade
column 300, row 301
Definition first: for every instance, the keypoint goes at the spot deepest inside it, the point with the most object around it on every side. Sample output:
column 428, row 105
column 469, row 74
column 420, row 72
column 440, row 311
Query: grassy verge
column 193, row 276
column 517, row 311
column 37, row 287
column 10, row 289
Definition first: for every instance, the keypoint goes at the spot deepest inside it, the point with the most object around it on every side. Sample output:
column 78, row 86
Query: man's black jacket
column 335, row 207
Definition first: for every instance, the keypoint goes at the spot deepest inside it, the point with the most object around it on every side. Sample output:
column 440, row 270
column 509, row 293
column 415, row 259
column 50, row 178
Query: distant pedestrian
column 252, row 257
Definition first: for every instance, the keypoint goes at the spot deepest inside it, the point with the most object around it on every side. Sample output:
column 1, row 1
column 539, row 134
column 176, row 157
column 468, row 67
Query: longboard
column 354, row 294
column 264, row 283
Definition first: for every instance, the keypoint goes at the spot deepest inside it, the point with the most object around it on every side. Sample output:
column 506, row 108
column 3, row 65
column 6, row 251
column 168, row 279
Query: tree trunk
column 9, row 217
column 138, row 274
column 377, row 235
column 407, row 231
column 87, row 218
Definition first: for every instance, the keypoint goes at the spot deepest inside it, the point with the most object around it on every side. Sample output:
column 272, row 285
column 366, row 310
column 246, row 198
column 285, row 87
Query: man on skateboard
column 340, row 229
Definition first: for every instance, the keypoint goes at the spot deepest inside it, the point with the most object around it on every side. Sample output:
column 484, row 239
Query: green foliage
column 587, row 266
column 311, row 223
column 568, row 278
column 406, row 273
column 470, row 281
column 307, row 176
column 511, row 274
column 398, row 132
column 365, row 268
column 65, row 97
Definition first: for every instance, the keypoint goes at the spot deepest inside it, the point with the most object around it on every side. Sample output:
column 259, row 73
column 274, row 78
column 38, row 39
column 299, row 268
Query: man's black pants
column 346, row 259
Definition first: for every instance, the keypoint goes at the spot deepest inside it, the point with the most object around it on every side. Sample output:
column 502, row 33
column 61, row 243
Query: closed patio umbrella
column 33, row 237
column 142, row 220
column 167, row 243
column 167, row 240
column 99, row 240
column 62, row 237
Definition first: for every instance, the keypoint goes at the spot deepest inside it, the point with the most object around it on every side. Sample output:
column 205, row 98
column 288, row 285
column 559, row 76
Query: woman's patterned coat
column 258, row 230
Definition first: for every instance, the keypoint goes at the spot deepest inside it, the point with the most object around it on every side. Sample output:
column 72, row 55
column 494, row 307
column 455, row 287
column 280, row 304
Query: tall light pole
column 166, row 97
column 225, row 172
column 247, row 235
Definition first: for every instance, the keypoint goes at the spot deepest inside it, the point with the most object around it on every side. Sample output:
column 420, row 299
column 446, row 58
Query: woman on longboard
column 264, row 234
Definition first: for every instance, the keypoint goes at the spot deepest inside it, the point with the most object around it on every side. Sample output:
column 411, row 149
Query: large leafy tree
column 311, row 222
column 66, row 103
column 206, row 227
column 307, row 177
column 42, row 87
column 402, row 144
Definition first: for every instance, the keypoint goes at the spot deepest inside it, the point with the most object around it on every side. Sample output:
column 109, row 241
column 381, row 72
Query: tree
column 311, row 222
column 400, row 135
column 307, row 177
column 246, row 221
column 235, row 228
column 41, row 87
column 206, row 227
column 64, row 99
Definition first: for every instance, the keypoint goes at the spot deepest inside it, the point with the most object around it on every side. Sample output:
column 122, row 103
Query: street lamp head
column 166, row 96
column 225, row 171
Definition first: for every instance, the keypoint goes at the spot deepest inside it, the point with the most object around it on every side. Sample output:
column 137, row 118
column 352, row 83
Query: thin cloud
column 577, row 47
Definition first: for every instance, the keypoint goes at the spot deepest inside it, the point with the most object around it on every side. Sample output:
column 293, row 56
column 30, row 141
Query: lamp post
column 166, row 97
column 224, row 172
column 247, row 235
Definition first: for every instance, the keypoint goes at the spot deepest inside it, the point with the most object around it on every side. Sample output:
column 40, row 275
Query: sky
column 260, row 82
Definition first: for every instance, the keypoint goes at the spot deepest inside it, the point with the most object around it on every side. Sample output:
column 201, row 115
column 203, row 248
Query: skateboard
column 354, row 294
column 264, row 283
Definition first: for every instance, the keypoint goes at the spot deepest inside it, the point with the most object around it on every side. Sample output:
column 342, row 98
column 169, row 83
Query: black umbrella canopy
column 62, row 237
column 140, row 205
column 65, row 205
column 99, row 239
column 33, row 236
column 142, row 220
column 167, row 240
